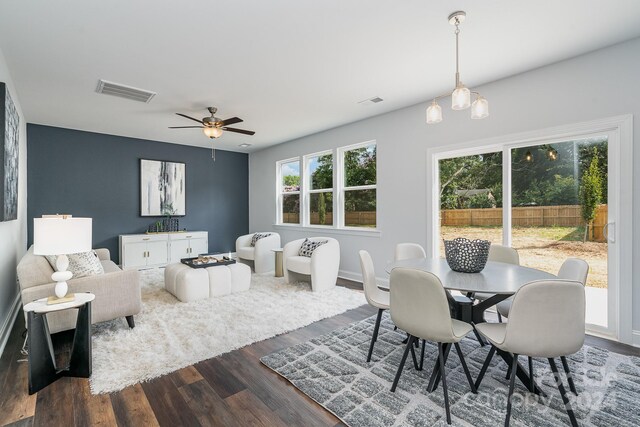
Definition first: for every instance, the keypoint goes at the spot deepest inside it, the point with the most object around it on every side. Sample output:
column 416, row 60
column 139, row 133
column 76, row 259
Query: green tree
column 292, row 181
column 591, row 192
column 322, row 176
column 322, row 209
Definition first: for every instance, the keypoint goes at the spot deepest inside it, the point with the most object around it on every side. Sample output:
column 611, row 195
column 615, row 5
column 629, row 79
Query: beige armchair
column 117, row 292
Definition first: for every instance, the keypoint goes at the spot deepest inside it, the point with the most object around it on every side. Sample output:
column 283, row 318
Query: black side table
column 42, row 365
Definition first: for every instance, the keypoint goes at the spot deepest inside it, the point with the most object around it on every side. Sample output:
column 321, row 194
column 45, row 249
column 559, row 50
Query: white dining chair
column 420, row 307
column 499, row 253
column 409, row 251
column 574, row 269
column 374, row 295
column 547, row 320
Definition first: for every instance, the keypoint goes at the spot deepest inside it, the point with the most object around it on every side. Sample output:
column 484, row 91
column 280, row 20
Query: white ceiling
column 287, row 67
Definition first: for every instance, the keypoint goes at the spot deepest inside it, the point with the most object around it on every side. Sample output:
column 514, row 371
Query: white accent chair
column 419, row 306
column 321, row 268
column 261, row 255
column 409, row 251
column 375, row 296
column 547, row 320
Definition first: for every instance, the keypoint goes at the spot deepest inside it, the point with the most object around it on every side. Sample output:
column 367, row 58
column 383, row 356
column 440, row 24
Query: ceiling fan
column 213, row 126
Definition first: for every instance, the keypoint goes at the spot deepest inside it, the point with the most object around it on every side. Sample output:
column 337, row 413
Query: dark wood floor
column 234, row 389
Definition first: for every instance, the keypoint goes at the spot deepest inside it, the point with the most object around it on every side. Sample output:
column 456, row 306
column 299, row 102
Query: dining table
column 500, row 280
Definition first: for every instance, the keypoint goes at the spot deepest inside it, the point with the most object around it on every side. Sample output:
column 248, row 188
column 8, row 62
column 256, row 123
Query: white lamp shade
column 480, row 108
column 58, row 236
column 434, row 113
column 212, row 132
column 460, row 98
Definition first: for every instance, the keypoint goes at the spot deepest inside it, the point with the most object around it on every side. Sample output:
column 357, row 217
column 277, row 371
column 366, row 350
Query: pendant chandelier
column 461, row 95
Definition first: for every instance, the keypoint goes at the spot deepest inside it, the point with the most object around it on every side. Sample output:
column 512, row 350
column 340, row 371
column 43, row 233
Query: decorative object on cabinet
column 162, row 188
column 9, row 133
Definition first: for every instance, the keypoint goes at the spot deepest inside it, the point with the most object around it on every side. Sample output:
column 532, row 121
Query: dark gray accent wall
column 98, row 176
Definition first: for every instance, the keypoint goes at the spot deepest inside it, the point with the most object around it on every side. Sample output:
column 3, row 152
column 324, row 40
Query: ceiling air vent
column 128, row 92
column 373, row 100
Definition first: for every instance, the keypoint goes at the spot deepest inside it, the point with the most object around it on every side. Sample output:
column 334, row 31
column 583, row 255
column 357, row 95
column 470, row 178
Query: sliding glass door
column 559, row 210
column 549, row 199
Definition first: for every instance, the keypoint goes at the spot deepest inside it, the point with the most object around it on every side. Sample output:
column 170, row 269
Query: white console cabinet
column 138, row 251
column 187, row 245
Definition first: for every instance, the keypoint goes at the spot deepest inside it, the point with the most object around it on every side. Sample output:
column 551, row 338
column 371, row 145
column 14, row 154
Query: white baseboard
column 357, row 277
column 636, row 338
column 7, row 326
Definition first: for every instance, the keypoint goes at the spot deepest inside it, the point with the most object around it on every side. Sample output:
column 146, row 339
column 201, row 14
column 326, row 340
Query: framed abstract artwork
column 9, row 132
column 162, row 188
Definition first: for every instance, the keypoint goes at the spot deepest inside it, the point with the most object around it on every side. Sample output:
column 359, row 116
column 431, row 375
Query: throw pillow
column 258, row 236
column 82, row 264
column 308, row 246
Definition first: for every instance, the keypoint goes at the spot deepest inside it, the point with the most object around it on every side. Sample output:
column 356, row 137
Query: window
column 337, row 189
column 320, row 185
column 359, row 172
column 290, row 192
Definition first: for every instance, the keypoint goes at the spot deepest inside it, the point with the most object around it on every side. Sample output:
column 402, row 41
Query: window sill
column 350, row 231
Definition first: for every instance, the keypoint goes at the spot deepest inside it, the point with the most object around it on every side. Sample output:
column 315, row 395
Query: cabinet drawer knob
column 145, row 238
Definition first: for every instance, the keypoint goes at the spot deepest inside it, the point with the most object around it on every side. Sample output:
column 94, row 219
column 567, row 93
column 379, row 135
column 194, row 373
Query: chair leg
column 492, row 351
column 567, row 371
column 402, row 362
column 413, row 354
column 374, row 337
column 563, row 393
column 532, row 383
column 499, row 317
column 444, row 382
column 465, row 368
column 508, row 373
column 512, row 383
column 422, row 355
column 478, row 336
column 130, row 322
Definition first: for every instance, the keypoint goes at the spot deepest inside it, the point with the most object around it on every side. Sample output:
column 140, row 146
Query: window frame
column 343, row 188
column 308, row 191
column 281, row 193
column 338, row 190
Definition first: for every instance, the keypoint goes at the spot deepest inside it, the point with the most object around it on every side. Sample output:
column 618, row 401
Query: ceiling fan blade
column 186, row 127
column 245, row 132
column 190, row 118
column 231, row 121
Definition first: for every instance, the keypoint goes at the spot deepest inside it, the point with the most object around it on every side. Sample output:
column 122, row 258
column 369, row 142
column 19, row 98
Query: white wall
column 600, row 84
column 13, row 234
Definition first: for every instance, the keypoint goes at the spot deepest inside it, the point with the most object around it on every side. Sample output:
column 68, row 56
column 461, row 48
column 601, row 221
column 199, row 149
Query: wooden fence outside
column 351, row 218
column 530, row 216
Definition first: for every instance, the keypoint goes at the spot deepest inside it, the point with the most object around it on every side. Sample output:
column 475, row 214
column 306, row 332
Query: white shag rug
column 170, row 335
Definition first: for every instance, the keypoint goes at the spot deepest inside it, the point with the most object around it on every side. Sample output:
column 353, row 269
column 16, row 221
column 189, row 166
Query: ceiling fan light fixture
column 479, row 108
column 434, row 113
column 212, row 131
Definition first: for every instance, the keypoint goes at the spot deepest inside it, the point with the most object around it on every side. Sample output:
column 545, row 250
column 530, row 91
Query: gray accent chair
column 547, row 320
column 117, row 292
column 419, row 306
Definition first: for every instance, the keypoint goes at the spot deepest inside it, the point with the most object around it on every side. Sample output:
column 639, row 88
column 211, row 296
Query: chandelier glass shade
column 461, row 95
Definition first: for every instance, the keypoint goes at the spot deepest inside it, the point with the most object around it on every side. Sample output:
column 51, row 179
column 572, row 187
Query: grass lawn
column 544, row 248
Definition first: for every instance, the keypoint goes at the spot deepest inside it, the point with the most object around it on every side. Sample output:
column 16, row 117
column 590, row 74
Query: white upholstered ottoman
column 191, row 284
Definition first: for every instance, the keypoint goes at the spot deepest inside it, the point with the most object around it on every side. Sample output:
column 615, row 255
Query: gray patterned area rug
column 332, row 370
